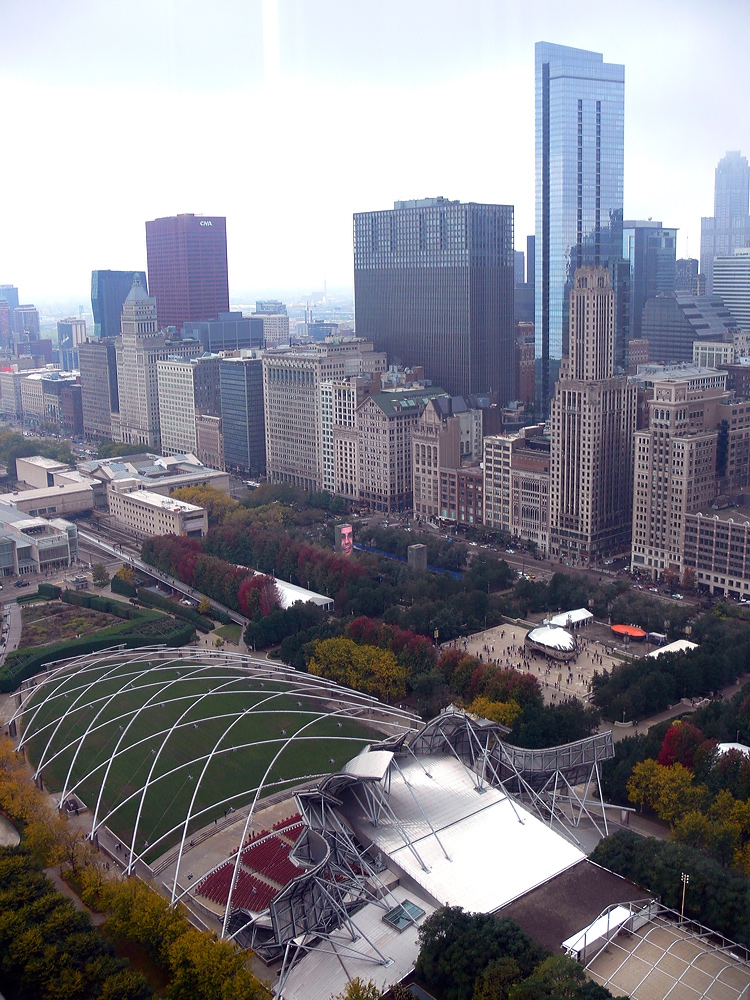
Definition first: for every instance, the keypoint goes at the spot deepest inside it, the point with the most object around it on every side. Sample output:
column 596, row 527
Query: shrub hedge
column 120, row 586
column 146, row 596
column 49, row 590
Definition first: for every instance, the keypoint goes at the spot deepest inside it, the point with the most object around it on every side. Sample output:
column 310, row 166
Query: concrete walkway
column 157, row 574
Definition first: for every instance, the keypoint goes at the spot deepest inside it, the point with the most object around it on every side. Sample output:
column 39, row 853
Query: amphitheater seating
column 263, row 854
column 271, row 858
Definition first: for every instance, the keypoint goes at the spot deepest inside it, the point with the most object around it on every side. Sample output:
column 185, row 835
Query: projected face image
column 347, row 539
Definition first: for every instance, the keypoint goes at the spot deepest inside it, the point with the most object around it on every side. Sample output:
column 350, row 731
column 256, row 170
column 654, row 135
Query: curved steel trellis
column 82, row 678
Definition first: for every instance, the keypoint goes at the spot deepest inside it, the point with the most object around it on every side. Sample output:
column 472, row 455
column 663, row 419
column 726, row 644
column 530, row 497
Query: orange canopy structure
column 631, row 631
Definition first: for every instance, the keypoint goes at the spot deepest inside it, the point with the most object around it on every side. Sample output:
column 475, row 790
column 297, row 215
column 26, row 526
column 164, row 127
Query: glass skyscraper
column 579, row 186
column 729, row 227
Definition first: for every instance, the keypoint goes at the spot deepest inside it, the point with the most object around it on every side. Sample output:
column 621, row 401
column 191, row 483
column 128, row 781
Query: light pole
column 685, row 879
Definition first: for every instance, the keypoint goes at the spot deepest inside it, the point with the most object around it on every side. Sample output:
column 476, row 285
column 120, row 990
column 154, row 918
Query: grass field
column 251, row 721
column 231, row 632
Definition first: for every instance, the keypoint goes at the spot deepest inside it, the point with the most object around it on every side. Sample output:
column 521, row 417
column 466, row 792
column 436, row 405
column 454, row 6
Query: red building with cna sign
column 187, row 268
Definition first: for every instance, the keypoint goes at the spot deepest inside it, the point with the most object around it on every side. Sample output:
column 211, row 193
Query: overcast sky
column 289, row 115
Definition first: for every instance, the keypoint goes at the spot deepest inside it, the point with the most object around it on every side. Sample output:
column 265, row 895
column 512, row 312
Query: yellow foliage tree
column 218, row 504
column 364, row 668
column 669, row 791
column 504, row 712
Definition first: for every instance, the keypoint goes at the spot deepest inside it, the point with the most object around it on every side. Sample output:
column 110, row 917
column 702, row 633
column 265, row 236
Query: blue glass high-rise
column 579, row 186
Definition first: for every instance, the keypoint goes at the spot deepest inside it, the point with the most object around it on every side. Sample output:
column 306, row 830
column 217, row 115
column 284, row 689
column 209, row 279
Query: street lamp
column 684, row 879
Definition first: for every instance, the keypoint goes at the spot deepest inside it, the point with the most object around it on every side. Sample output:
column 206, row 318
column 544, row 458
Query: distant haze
column 289, row 115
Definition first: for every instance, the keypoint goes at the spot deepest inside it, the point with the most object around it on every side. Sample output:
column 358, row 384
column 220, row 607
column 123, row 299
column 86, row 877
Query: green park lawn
column 121, row 748
column 231, row 632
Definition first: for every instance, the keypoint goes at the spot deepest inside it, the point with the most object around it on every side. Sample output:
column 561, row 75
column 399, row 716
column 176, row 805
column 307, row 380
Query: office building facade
column 71, row 333
column 447, row 434
column 579, row 186
column 242, row 418
column 187, row 387
column 516, row 470
column 97, row 361
column 672, row 323
column 731, row 283
column 433, row 286
column 593, row 418
column 694, row 448
column 230, row 332
column 649, row 251
column 294, row 424
column 26, row 322
column 729, row 227
column 138, row 349
column 109, row 289
column 187, row 268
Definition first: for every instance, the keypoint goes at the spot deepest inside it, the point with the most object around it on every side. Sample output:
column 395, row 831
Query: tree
column 558, row 978
column 126, row 574
column 669, row 791
column 204, row 608
column 456, row 947
column 358, row 989
column 504, row 712
column 681, row 741
column 497, row 979
column 100, row 575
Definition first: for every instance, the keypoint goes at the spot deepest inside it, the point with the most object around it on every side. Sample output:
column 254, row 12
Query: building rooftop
column 569, row 901
column 159, row 500
column 404, row 400
column 51, row 464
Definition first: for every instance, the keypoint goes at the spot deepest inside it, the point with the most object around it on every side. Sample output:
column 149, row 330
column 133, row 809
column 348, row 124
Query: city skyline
column 326, row 83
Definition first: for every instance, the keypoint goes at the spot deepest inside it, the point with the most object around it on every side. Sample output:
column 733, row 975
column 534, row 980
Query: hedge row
column 146, row 596
column 119, row 586
column 49, row 590
column 85, row 600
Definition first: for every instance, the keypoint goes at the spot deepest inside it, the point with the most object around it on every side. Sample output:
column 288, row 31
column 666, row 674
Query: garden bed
column 56, row 621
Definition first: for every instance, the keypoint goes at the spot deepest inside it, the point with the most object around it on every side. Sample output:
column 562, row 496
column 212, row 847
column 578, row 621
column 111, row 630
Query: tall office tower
column 297, row 449
column 677, row 458
column 433, row 286
column 26, row 321
column 71, row 333
column 731, row 282
column 579, row 187
column 109, row 289
column 9, row 293
column 187, row 267
column 592, row 423
column 6, row 323
column 243, row 426
column 729, row 227
column 519, row 268
column 187, row 388
column 649, row 253
column 97, row 362
column 686, row 277
column 139, row 347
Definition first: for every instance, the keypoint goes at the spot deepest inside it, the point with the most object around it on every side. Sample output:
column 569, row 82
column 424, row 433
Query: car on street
column 21, row 583
column 677, row 597
column 654, row 590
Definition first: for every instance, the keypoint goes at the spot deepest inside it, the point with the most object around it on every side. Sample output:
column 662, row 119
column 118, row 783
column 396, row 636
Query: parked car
column 21, row 583
column 677, row 597
column 654, row 590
